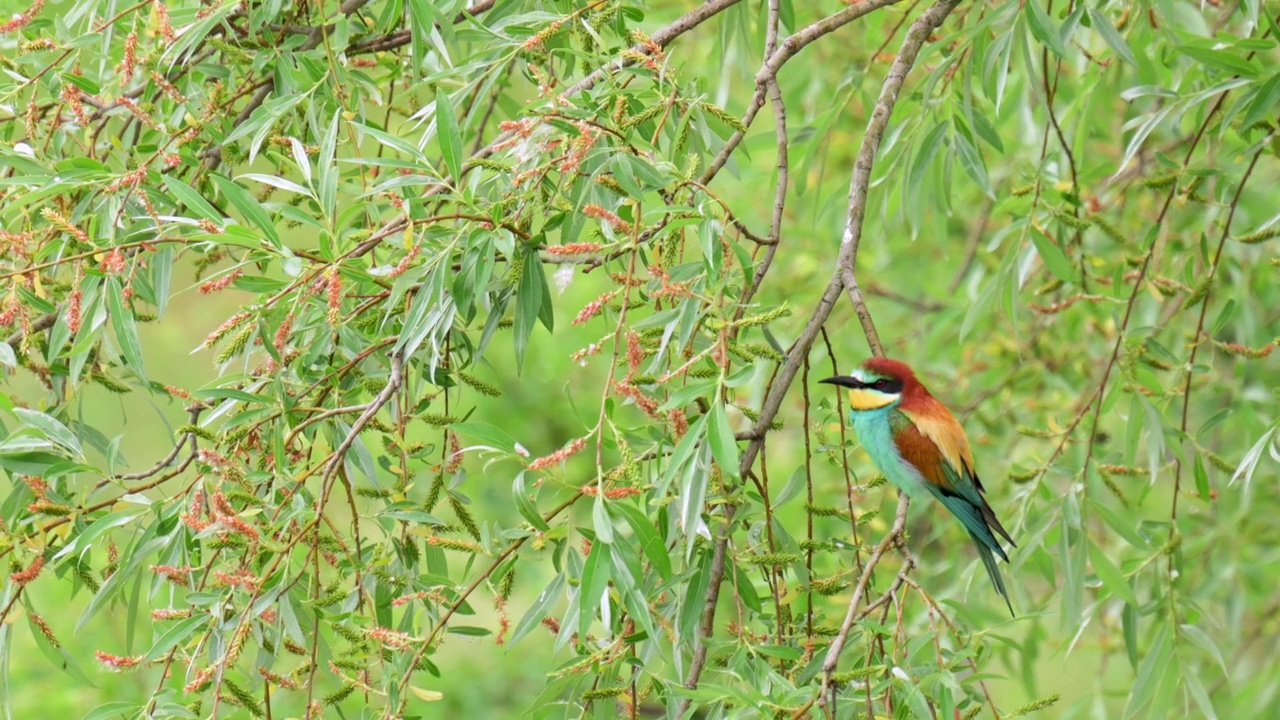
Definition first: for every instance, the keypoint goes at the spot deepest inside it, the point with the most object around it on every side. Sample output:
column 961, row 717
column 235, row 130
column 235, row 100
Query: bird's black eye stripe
column 887, row 385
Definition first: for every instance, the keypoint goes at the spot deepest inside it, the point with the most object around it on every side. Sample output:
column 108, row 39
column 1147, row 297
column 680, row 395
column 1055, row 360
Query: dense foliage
column 507, row 321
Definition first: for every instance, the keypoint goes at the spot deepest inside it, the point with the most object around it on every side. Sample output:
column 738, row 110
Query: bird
column 922, row 449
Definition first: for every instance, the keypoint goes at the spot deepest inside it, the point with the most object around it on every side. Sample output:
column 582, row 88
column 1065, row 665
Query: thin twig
column 843, row 277
column 1197, row 340
column 860, row 590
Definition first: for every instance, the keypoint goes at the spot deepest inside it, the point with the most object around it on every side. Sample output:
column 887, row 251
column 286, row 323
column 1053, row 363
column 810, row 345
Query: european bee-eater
column 920, row 447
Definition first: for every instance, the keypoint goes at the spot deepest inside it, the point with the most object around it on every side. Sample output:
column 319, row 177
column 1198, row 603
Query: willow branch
column 919, row 32
column 842, row 278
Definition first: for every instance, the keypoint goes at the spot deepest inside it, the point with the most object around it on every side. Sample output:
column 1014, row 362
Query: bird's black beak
column 843, row 381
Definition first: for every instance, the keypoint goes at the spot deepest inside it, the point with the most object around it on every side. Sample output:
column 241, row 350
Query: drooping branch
column 919, row 32
column 843, row 278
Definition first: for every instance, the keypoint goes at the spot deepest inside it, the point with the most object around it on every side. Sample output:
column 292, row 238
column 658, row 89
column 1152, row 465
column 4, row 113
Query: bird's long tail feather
column 989, row 559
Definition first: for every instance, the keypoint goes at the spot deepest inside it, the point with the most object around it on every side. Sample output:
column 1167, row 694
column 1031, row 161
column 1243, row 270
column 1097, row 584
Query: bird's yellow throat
column 860, row 399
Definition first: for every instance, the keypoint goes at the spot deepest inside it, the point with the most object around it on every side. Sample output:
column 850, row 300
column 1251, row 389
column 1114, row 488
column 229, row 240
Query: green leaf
column 1149, row 673
column 1110, row 575
column 191, row 198
column 1266, row 98
column 531, row 294
column 1155, row 436
column 600, row 520
column 539, row 608
column 1053, row 256
column 1196, row 689
column 1129, row 627
column 692, row 497
column 971, row 161
column 86, row 539
column 262, row 120
column 1202, row 640
column 1113, row 38
column 647, row 537
column 277, row 182
column 409, row 515
column 724, row 448
column 1220, row 59
column 126, row 328
column 693, row 599
column 487, row 434
column 84, row 83
column 625, row 578
column 1124, row 526
column 175, row 635
column 51, row 428
column 687, row 394
column 327, row 169
column 525, row 504
column 1043, row 28
column 232, row 394
column 1202, row 479
column 114, row 711
column 911, row 692
column 595, row 580
column 792, row 489
column 447, row 132
column 250, row 208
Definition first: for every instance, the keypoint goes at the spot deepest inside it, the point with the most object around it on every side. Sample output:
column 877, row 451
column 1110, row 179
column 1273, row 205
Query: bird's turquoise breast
column 875, row 429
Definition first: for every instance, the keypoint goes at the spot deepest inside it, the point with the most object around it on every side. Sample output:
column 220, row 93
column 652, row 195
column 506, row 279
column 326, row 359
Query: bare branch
column 842, row 278
column 860, row 590
column 384, row 397
column 775, row 59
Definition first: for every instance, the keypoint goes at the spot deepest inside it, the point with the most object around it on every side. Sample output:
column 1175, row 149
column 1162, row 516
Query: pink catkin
column 558, row 456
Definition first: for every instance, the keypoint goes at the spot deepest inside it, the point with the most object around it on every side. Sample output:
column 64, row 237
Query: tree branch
column 842, row 278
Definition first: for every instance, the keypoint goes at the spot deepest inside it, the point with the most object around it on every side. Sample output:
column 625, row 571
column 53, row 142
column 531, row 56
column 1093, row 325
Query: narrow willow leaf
column 1202, row 479
column 487, row 434
column 1224, row 60
column 1110, row 575
column 1195, row 688
column 600, row 520
column 52, row 428
column 693, row 600
column 1113, row 38
column 1123, row 526
column 529, row 298
column 85, row 540
column 538, row 610
column 595, row 580
column 248, row 207
column 191, row 198
column 723, row 446
column 1043, row 28
column 277, row 182
column 1266, row 98
column 448, row 134
column 125, row 327
column 174, row 636
column 646, row 535
column 113, row 710
column 1129, row 627
column 1149, row 673
column 1201, row 639
column 914, row 697
column 628, row 584
column 1053, row 256
column 693, row 493
column 1155, row 436
column 525, row 504
column 971, row 161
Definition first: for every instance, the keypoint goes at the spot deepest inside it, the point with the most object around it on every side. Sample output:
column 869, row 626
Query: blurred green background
column 935, row 259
